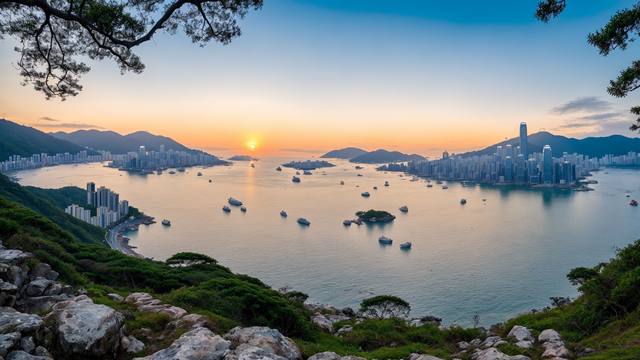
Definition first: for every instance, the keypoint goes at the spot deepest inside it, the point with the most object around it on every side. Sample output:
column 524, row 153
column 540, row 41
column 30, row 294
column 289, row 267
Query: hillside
column 119, row 144
column 592, row 146
column 383, row 156
column 25, row 141
column 346, row 153
column 51, row 203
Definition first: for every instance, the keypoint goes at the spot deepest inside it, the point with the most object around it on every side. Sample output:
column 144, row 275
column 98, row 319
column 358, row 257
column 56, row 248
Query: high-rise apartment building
column 523, row 140
column 547, row 172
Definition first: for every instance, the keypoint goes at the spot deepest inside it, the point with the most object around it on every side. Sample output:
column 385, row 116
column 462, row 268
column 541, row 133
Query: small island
column 375, row 216
column 241, row 158
column 308, row 165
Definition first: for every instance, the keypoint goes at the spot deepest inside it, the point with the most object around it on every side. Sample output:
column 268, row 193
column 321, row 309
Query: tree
column 189, row 258
column 54, row 33
column 622, row 29
column 385, row 306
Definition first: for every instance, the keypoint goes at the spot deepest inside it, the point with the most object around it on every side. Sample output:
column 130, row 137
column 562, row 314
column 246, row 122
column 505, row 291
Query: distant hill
column 383, row 156
column 25, row 141
column 346, row 153
column 592, row 146
column 121, row 144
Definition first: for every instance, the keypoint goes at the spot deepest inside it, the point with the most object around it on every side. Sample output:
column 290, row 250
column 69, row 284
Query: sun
column 252, row 146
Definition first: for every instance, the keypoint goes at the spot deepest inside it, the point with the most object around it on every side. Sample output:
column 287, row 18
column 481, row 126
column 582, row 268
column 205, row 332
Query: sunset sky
column 309, row 76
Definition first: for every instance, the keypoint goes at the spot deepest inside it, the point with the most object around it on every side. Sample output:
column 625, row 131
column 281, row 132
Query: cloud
column 304, row 151
column 590, row 104
column 68, row 126
column 47, row 118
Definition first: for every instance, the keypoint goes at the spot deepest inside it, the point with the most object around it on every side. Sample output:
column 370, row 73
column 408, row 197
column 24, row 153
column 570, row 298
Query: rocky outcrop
column 327, row 355
column 549, row 335
column 23, row 355
column 495, row 354
column 523, row 336
column 423, row 357
column 199, row 343
column 146, row 302
column 12, row 320
column 264, row 338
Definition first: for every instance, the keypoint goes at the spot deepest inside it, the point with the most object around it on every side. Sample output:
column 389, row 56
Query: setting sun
column 252, row 146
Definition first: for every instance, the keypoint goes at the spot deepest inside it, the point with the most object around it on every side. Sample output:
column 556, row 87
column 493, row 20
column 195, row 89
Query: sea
column 496, row 258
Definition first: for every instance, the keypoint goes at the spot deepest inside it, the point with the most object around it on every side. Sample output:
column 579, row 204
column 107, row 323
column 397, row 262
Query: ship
column 243, row 209
column 253, row 165
column 306, row 172
column 226, row 208
column 358, row 167
column 295, row 179
column 633, row 203
column 385, row 240
column 463, row 201
column 199, row 174
column 159, row 172
column 341, row 182
column 429, row 185
column 279, row 168
column 347, row 222
column 445, row 187
column 304, row 221
column 404, row 208
column 386, row 183
column 365, row 194
column 406, row 245
column 283, row 213
column 166, row 222
column 233, row 201
column 181, row 169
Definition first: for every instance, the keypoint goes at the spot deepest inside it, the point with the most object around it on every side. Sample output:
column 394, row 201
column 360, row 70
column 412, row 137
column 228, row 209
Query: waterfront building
column 523, row 140
column 547, row 172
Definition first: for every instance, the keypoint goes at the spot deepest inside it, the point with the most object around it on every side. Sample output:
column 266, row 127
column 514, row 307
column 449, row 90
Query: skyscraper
column 520, row 168
column 91, row 190
column 523, row 140
column 547, row 172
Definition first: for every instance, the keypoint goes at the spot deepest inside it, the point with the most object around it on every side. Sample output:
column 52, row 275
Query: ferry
column 181, row 169
column 385, row 240
column 295, row 179
column 283, row 213
column 243, row 209
column 463, row 201
column 347, row 222
column 404, row 208
column 253, row 165
column 172, row 172
column 306, row 172
column 199, row 174
column 279, row 168
column 406, row 245
column 365, row 194
column 445, row 187
column 375, row 188
column 429, row 185
column 358, row 167
column 226, row 208
column 304, row 221
column 386, row 183
column 359, row 174
column 633, row 202
column 233, row 201
column 166, row 222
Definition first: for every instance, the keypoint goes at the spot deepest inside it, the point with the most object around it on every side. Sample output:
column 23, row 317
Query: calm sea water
column 497, row 258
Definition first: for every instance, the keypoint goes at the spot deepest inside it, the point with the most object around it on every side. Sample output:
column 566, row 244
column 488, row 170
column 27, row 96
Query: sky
column 310, row 76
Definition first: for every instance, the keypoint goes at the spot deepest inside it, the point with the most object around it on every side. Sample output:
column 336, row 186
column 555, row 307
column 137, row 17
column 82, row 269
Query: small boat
column 199, row 174
column 341, row 182
column 347, row 222
column 279, row 168
column 283, row 213
column 627, row 195
column 209, row 180
column 324, row 174
column 404, row 208
column 438, row 182
column 464, row 185
column 304, row 221
column 365, row 194
column 359, row 213
column 306, row 172
column 233, row 201
column 172, row 172
column 406, row 245
column 358, row 167
column 606, row 172
column 359, row 174
column 385, row 240
column 484, row 199
column 478, row 184
column 243, row 209
column 415, row 178
column 226, row 208
column 445, row 187
column 429, row 185
column 253, row 165
column 181, row 169
column 633, row 202
column 375, row 188
column 386, row 183
column 295, row 179
column 159, row 172
column 166, row 222
column 297, row 172
column 463, row 201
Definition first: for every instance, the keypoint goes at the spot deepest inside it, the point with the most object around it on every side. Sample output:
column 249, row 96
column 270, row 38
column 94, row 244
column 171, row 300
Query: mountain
column 383, row 156
column 346, row 153
column 119, row 144
column 592, row 146
column 25, row 141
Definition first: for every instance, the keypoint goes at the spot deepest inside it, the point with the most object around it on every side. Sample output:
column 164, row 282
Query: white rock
column 521, row 333
column 549, row 335
column 199, row 343
column 495, row 354
column 422, row 357
column 561, row 352
column 524, row 344
column 463, row 345
column 327, row 355
column 268, row 339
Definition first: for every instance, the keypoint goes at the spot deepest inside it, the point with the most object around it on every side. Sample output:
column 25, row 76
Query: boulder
column 327, row 355
column 172, row 311
column 561, row 352
column 488, row 342
column 343, row 330
column 268, row 339
column 124, row 343
column 51, row 275
column 524, row 344
column 41, row 351
column 521, row 333
column 23, row 355
column 423, row 357
column 115, row 297
column 351, row 357
column 348, row 312
column 15, row 275
column 40, row 270
column 67, row 289
column 87, row 329
column 8, row 342
column 549, row 335
column 190, row 321
column 325, row 324
column 139, row 298
column 463, row 345
column 250, row 352
column 495, row 354
column 27, row 344
column 37, row 303
column 14, row 321
column 552, row 345
column 37, row 287
column 199, row 343
column 8, row 288
column 135, row 345
column 66, row 303
column 55, row 288
column 586, row 352
column 15, row 257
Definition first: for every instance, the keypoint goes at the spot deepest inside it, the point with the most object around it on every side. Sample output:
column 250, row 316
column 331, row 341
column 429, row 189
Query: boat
column 295, row 179
column 606, row 172
column 199, row 174
column 304, row 221
column 484, row 199
column 438, row 182
column 226, row 208
column 359, row 213
column 181, row 169
column 359, row 174
column 358, row 167
column 283, row 213
column 404, row 208
column 386, row 183
column 347, row 222
column 341, row 182
column 375, row 188
column 463, row 201
column 478, row 184
column 324, row 174
column 279, row 168
column 307, row 172
column 633, row 202
column 172, row 172
column 406, row 245
column 464, row 185
column 147, row 171
column 243, row 209
column 429, row 185
column 297, row 172
column 166, row 222
column 233, row 201
column 445, row 187
column 627, row 195
column 385, row 240
column 253, row 165
column 365, row 194
column 209, row 180
column 415, row 178
column 159, row 172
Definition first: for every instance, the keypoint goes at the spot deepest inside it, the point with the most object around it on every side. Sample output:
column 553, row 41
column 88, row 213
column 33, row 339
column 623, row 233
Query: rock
column 325, row 324
column 87, row 329
column 496, row 327
column 327, row 355
column 348, row 312
column 172, row 311
column 135, row 345
column 521, row 333
column 250, row 352
column 41, row 351
column 15, row 257
column 115, row 297
column 139, row 298
column 143, row 332
column 351, row 357
column 27, row 344
column 67, row 289
column 549, row 335
column 8, row 288
column 37, row 287
column 190, row 321
column 12, row 321
column 51, row 275
column 499, row 342
column 488, row 342
column 561, row 352
column 8, row 342
column 124, row 343
column 524, row 344
column 265, row 338
column 495, row 354
column 552, row 345
column 463, row 345
column 199, row 343
column 81, row 292
column 431, row 319
column 422, row 357
column 23, row 355
column 54, row 289
column 40, row 270
column 343, row 330
column 586, row 352
column 37, row 304
column 78, row 299
column 16, row 276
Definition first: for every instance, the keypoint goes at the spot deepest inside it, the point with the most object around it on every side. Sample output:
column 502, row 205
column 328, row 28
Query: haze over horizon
column 307, row 77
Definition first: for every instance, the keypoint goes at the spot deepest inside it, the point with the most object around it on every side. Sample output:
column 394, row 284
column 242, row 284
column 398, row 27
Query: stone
column 325, row 324
column 343, row 330
column 81, row 292
column 135, row 346
column 139, row 298
column 8, row 288
column 37, row 287
column 521, row 333
column 67, row 289
column 173, row 312
column 549, row 335
column 348, row 312
column 37, row 303
column 249, row 352
column 495, row 354
column 41, row 351
column 423, row 357
column 488, row 342
column 264, row 338
column 27, row 344
column 40, row 270
column 499, row 342
column 561, row 352
column 87, row 329
column 54, row 289
column 586, row 352
column 351, row 357
column 524, row 344
column 12, row 321
column 16, row 276
column 23, row 355
column 51, row 275
column 143, row 332
column 8, row 342
column 552, row 345
column 327, row 355
column 115, row 297
column 190, row 321
column 124, row 343
column 15, row 257
column 475, row 342
column 78, row 299
column 199, row 343
column 463, row 345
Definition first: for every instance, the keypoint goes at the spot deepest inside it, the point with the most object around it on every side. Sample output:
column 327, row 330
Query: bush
column 384, row 306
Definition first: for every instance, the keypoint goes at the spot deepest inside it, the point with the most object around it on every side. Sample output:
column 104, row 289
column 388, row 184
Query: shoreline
column 121, row 243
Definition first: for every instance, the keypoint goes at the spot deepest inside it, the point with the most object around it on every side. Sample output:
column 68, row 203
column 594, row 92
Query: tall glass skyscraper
column 547, row 171
column 523, row 140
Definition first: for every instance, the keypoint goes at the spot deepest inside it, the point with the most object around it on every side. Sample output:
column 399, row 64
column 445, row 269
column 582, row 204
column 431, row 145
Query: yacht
column 358, row 167
column 429, row 185
column 253, row 165
column 633, row 202
column 172, row 172
column 347, row 222
column 181, row 169
column 385, row 240
column 209, row 180
column 341, row 182
column 404, row 208
column 283, row 213
column 386, row 183
column 304, row 221
column 295, row 179
column 297, row 172
column 166, row 222
column 306, row 172
column 279, row 168
column 243, row 209
column 438, row 182
column 226, row 208
column 199, row 174
column 406, row 245
column 365, row 194
column 375, row 188
column 445, row 187
column 627, row 195
column 233, row 201
column 359, row 174
column 463, row 201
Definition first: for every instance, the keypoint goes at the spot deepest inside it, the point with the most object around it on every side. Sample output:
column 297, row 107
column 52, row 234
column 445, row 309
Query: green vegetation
column 385, row 306
column 374, row 214
column 189, row 258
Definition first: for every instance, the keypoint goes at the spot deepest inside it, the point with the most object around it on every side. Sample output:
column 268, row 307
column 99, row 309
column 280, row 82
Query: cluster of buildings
column 513, row 165
column 17, row 162
column 308, row 165
column 150, row 160
column 109, row 208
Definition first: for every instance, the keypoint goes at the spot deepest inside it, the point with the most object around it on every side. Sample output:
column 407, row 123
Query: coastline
column 121, row 243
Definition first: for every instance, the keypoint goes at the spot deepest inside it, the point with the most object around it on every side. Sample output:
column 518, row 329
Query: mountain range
column 25, row 141
column 121, row 144
column 383, row 156
column 346, row 153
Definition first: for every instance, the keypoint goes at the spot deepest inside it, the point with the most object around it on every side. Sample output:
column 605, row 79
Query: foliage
column 189, row 259
column 54, row 34
column 384, row 306
column 374, row 214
